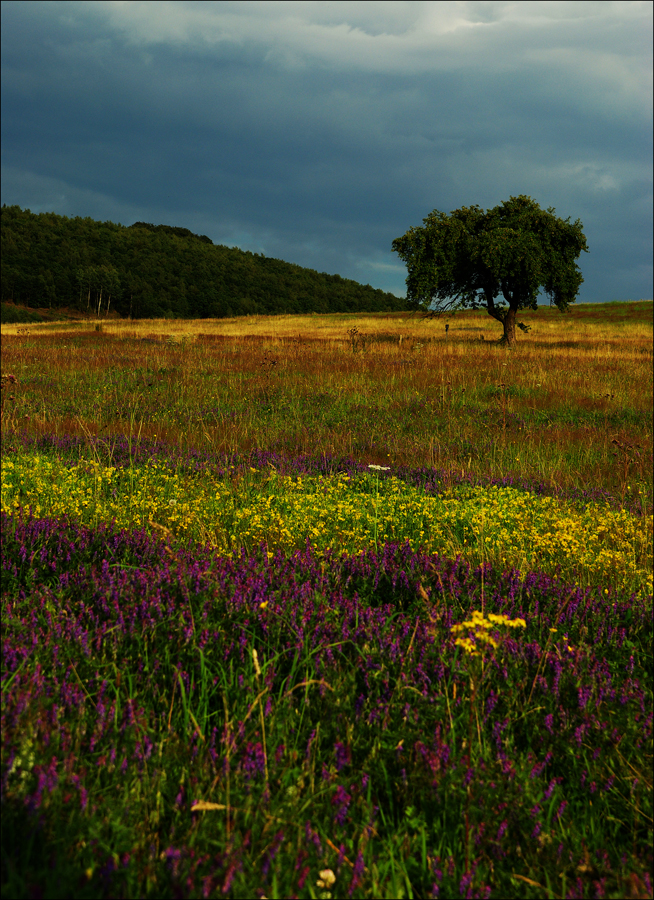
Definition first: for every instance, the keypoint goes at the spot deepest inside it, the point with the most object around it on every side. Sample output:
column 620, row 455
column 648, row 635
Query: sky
column 317, row 132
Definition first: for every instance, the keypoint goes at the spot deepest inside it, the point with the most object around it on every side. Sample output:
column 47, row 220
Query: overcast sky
column 317, row 132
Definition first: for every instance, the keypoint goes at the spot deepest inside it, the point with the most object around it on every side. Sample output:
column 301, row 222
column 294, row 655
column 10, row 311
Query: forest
column 159, row 271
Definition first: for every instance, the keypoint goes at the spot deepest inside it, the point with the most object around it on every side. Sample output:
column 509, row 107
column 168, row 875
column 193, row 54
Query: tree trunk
column 508, row 323
column 506, row 316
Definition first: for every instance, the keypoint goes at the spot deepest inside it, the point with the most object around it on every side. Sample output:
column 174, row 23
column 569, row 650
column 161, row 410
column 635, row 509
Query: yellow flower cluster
column 481, row 625
column 612, row 544
column 504, row 526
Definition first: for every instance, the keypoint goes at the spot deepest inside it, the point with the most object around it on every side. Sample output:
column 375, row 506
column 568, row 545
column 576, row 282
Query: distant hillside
column 154, row 271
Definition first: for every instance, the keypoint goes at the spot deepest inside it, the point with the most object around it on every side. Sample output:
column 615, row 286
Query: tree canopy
column 155, row 271
column 468, row 258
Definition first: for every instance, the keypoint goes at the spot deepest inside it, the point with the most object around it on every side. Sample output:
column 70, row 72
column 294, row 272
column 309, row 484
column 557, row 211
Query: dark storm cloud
column 318, row 132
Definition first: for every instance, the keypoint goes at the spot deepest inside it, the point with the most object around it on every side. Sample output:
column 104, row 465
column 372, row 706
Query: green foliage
column 469, row 258
column 159, row 271
column 168, row 229
column 14, row 315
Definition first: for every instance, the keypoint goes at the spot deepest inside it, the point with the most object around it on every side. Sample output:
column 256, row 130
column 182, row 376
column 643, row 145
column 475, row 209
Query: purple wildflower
column 313, row 837
column 341, row 800
column 272, row 852
column 229, row 877
column 357, row 873
column 343, row 756
column 584, row 694
column 550, row 788
column 254, row 761
column 560, row 810
column 539, row 768
column 465, row 883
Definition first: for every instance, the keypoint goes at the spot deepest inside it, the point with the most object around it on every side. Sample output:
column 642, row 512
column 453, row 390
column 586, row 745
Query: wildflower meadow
column 328, row 606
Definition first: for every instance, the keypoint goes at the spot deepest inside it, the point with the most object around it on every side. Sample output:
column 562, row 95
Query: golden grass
column 583, row 323
column 347, row 385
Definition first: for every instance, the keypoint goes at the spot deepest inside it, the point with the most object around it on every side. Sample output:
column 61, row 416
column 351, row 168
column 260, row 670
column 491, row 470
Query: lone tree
column 465, row 260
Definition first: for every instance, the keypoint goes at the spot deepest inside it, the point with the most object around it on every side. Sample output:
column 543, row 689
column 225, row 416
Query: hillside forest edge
column 160, row 271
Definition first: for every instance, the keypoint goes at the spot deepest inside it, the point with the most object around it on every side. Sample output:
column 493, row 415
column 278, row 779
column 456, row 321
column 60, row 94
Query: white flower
column 327, row 878
column 379, row 468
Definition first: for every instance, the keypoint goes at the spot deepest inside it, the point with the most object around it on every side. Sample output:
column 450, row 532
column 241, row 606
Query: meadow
column 328, row 606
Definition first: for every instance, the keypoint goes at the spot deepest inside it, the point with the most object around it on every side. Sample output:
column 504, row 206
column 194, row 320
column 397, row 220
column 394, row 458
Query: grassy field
column 328, row 606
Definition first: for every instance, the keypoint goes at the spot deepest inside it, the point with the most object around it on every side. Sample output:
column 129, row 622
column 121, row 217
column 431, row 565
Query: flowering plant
column 480, row 625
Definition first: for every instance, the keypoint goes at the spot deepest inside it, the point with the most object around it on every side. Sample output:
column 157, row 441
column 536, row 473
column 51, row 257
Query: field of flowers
column 288, row 615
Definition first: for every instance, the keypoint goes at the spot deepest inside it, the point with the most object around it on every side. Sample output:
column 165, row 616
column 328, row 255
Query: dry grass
column 388, row 389
column 584, row 322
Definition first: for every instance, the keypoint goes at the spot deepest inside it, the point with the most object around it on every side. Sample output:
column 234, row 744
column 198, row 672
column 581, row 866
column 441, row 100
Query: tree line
column 159, row 271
